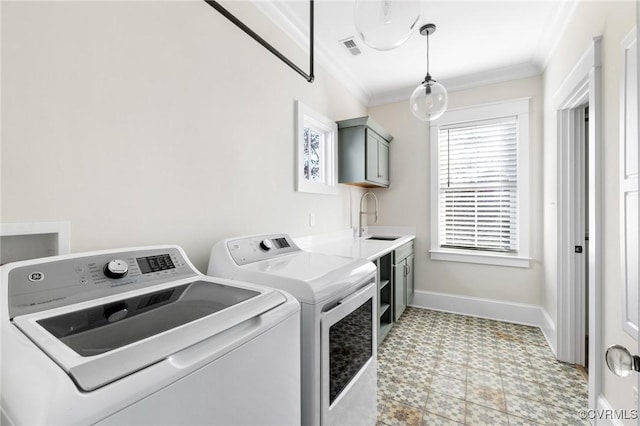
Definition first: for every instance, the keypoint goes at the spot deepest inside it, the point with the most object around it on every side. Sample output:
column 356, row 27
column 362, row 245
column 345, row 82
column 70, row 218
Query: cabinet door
column 400, row 292
column 383, row 161
column 377, row 161
column 409, row 279
column 372, row 156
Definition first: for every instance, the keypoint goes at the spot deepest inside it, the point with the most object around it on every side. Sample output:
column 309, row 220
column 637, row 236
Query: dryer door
column 348, row 359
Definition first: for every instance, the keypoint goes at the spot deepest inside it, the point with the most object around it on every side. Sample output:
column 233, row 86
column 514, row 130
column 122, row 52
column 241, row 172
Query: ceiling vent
column 351, row 46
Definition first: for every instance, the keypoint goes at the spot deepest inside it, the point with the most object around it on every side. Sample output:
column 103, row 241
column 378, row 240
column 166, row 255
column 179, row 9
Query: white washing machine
column 339, row 320
column 139, row 336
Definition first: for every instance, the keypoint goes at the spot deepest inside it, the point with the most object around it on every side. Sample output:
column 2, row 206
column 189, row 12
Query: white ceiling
column 476, row 42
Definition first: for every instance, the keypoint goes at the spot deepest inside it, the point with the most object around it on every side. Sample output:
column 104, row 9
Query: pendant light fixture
column 386, row 24
column 429, row 100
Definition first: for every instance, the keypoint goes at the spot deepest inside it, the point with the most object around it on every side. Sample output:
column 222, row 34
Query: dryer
column 339, row 320
column 139, row 336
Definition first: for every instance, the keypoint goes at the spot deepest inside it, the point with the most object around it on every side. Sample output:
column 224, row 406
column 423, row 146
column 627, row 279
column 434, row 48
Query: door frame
column 581, row 87
column 637, row 30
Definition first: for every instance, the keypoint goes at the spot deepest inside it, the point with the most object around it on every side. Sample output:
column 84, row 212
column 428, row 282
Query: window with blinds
column 478, row 185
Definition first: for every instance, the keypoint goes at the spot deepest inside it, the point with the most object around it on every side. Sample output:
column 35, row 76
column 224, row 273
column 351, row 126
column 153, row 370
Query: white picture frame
column 316, row 152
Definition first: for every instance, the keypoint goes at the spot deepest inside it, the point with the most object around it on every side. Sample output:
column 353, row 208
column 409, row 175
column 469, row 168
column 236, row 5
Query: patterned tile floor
column 436, row 368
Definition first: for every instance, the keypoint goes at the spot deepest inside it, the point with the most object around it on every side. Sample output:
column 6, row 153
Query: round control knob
column 266, row 245
column 116, row 269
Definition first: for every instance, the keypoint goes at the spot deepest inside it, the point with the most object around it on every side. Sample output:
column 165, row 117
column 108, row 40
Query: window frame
column 307, row 117
column 520, row 109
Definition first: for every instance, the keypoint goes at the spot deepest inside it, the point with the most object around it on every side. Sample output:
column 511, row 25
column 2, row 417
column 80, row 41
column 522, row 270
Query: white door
column 619, row 359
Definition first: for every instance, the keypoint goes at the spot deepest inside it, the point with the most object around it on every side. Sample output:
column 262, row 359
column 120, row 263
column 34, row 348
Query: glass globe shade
column 429, row 101
column 386, row 24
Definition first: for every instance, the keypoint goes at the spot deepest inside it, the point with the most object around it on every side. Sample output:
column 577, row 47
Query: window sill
column 485, row 258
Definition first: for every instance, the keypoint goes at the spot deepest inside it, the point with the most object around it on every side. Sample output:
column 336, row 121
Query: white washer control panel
column 260, row 247
column 48, row 285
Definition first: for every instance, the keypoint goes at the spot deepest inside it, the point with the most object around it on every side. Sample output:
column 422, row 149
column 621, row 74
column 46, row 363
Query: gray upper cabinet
column 363, row 149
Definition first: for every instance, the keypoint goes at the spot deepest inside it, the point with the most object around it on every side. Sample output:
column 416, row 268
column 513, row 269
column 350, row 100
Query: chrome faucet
column 363, row 213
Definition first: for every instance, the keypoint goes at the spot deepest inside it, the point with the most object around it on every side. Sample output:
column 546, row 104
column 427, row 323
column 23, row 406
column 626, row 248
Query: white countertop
column 344, row 243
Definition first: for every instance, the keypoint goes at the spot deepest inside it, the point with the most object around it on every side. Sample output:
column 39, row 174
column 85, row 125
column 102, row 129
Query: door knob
column 620, row 361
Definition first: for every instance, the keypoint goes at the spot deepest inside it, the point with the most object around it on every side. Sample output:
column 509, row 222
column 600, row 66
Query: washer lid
column 310, row 277
column 102, row 342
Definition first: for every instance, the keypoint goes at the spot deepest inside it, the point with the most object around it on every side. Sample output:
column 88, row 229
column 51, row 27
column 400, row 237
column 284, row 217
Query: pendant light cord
column 427, row 54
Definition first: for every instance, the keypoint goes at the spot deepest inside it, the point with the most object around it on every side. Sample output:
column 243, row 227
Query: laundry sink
column 383, row 237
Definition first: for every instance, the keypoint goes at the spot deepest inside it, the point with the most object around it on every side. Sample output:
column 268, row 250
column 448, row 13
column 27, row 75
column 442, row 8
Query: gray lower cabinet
column 363, row 153
column 410, row 282
column 395, row 286
column 402, row 278
column 399, row 292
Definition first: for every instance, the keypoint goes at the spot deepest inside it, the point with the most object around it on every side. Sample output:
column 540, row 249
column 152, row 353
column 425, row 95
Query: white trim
column 485, row 111
column 578, row 74
column 307, row 117
column 561, row 19
column 549, row 330
column 637, row 118
column 287, row 21
column 520, row 108
column 469, row 81
column 518, row 313
column 482, row 257
column 581, row 85
column 61, row 229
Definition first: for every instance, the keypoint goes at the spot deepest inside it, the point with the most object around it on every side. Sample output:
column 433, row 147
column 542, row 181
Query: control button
column 116, row 269
column 83, row 280
column 116, row 312
column 79, row 269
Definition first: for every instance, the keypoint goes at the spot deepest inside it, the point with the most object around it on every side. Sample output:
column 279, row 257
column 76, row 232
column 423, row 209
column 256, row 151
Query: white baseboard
column 549, row 331
column 518, row 313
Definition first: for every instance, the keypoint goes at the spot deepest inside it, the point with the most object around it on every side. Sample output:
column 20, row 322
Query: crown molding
column 478, row 79
column 549, row 43
column 287, row 21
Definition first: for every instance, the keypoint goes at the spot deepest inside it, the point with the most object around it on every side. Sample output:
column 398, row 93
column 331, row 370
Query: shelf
column 384, row 307
column 383, row 284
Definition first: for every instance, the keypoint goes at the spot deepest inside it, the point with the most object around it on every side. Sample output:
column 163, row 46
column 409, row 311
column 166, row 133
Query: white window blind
column 478, row 187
